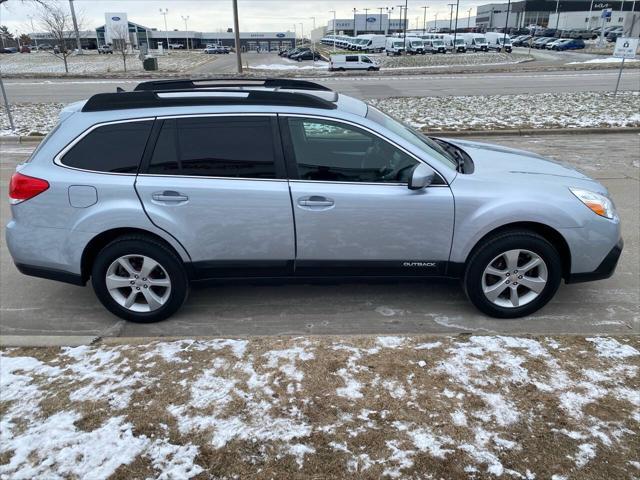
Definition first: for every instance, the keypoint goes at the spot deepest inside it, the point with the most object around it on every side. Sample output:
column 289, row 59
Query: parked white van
column 415, row 46
column 475, row 41
column 394, row 46
column 461, row 46
column 371, row 43
column 341, row 63
column 497, row 41
column 435, row 45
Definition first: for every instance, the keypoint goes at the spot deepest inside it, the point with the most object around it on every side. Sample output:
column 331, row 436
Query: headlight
column 597, row 203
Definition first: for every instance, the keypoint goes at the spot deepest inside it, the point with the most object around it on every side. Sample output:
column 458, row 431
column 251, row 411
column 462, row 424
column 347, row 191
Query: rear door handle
column 315, row 201
column 169, row 196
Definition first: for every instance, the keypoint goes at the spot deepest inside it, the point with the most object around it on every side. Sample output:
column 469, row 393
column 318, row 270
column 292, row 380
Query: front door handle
column 169, row 196
column 315, row 201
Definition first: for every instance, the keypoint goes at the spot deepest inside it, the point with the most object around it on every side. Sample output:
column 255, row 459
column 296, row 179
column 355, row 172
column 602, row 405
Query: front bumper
column 604, row 270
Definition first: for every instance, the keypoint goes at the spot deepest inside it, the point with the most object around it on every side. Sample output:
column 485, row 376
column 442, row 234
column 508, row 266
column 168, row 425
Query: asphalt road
column 31, row 306
column 367, row 86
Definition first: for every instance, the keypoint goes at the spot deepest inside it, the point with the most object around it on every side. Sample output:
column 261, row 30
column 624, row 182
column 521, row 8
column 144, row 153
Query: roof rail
column 150, row 99
column 188, row 84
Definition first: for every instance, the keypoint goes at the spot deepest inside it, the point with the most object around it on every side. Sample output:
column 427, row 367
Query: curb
column 442, row 133
column 46, row 340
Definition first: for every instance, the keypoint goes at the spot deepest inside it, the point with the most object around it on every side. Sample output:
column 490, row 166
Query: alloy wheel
column 514, row 278
column 138, row 283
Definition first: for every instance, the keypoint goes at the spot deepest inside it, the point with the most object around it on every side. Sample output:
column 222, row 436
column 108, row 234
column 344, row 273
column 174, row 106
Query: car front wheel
column 513, row 274
column 139, row 279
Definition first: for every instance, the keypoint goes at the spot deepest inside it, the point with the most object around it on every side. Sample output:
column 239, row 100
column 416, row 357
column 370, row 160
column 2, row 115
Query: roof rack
column 178, row 98
column 188, row 84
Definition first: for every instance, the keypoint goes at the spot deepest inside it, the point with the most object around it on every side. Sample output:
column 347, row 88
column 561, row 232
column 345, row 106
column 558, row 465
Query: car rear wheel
column 513, row 274
column 139, row 279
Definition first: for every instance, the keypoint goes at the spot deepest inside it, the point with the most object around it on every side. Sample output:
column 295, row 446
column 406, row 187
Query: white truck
column 498, row 41
column 341, row 63
column 394, row 46
column 415, row 46
column 371, row 43
column 475, row 41
column 460, row 45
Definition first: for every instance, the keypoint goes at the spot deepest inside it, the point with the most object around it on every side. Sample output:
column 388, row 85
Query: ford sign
column 280, row 35
column 371, row 19
column 115, row 19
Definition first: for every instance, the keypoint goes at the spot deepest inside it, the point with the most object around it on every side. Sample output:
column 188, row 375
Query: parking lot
column 32, row 306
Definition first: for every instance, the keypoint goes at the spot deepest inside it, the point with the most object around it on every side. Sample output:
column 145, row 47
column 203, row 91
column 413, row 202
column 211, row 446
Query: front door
column 353, row 211
column 217, row 184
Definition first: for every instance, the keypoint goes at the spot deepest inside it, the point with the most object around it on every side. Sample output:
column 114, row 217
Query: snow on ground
column 449, row 60
column 291, row 65
column 90, row 63
column 604, row 60
column 548, row 110
column 357, row 407
column 545, row 110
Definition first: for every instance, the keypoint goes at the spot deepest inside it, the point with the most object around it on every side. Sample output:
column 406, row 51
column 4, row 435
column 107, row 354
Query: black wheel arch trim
column 51, row 274
column 605, row 270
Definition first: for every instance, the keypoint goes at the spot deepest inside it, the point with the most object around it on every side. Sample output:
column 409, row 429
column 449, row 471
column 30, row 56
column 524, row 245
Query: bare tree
column 120, row 42
column 57, row 22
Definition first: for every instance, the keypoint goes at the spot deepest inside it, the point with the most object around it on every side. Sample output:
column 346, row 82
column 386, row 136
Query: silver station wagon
column 179, row 181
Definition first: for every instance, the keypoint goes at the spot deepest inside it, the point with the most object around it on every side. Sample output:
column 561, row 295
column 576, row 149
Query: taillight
column 23, row 187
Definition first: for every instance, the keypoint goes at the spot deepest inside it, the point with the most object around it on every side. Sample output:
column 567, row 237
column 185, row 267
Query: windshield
column 501, row 40
column 418, row 43
column 437, row 43
column 412, row 136
column 459, row 41
column 480, row 40
column 397, row 44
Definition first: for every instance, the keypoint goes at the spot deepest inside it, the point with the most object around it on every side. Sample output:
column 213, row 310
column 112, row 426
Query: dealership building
column 572, row 14
column 361, row 24
column 118, row 27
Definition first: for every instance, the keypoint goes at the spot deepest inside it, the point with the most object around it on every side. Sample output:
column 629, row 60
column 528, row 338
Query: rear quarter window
column 114, row 148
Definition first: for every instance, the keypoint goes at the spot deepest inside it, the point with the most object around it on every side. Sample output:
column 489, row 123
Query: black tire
column 492, row 247
column 149, row 247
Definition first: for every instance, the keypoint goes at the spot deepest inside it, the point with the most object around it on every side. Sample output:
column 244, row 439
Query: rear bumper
column 604, row 270
column 51, row 274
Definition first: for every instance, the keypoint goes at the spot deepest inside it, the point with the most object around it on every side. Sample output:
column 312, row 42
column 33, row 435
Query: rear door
column 353, row 211
column 217, row 184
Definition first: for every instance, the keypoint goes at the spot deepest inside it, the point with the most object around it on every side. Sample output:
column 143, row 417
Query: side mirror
column 421, row 177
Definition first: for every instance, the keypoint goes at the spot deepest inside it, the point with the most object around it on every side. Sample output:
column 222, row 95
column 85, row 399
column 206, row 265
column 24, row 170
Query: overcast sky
column 213, row 15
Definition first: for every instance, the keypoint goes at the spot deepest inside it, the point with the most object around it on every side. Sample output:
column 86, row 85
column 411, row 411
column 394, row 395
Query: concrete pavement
column 31, row 306
column 366, row 86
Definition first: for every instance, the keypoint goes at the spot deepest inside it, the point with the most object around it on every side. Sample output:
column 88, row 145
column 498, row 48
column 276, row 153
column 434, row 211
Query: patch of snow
column 173, row 461
column 299, row 451
column 391, row 342
column 610, row 348
column 428, row 346
column 586, row 452
column 603, row 60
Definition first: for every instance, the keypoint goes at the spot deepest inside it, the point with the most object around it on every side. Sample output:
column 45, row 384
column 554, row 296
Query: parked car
column 142, row 192
column 176, row 46
column 296, row 51
column 583, row 34
column 570, row 44
column 461, row 46
column 285, row 52
column 394, row 46
column 216, row 50
column 522, row 41
column 542, row 42
column 371, row 43
column 435, row 45
column 341, row 63
column 613, row 34
column 306, row 55
column 9, row 50
column 476, row 42
column 417, row 46
column 552, row 44
column 105, row 49
column 498, row 41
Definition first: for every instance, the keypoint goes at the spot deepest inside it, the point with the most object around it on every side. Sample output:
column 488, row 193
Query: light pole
column 406, row 11
column 388, row 27
column 380, row 18
column 295, row 35
column 163, row 12
column 455, row 29
column 236, row 31
column 424, row 21
column 313, row 42
column 557, row 14
column 366, row 19
column 75, row 27
column 30, row 17
column 400, row 7
column 436, row 25
column 186, row 29
column 506, row 24
column 355, row 30
column 469, row 17
column 301, row 33
column 334, row 29
column 590, row 9
column 451, row 5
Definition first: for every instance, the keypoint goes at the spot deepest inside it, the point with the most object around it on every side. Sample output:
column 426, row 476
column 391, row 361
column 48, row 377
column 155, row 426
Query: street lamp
column 313, row 42
column 366, row 20
column 451, row 5
column 295, row 35
column 163, row 12
column 389, row 12
column 455, row 29
column 355, row 31
column 400, row 7
column 301, row 33
column 30, row 17
column 186, row 29
column 424, row 21
column 334, row 29
column 380, row 18
column 469, row 17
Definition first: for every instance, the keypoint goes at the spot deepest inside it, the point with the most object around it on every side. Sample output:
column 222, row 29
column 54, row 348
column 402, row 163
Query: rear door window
column 236, row 147
column 114, row 148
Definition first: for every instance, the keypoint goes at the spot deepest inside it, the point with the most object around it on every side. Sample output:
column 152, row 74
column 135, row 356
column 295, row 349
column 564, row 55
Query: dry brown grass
column 430, row 397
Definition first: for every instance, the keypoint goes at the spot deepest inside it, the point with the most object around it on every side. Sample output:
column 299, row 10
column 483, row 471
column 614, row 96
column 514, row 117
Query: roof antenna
column 119, row 89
